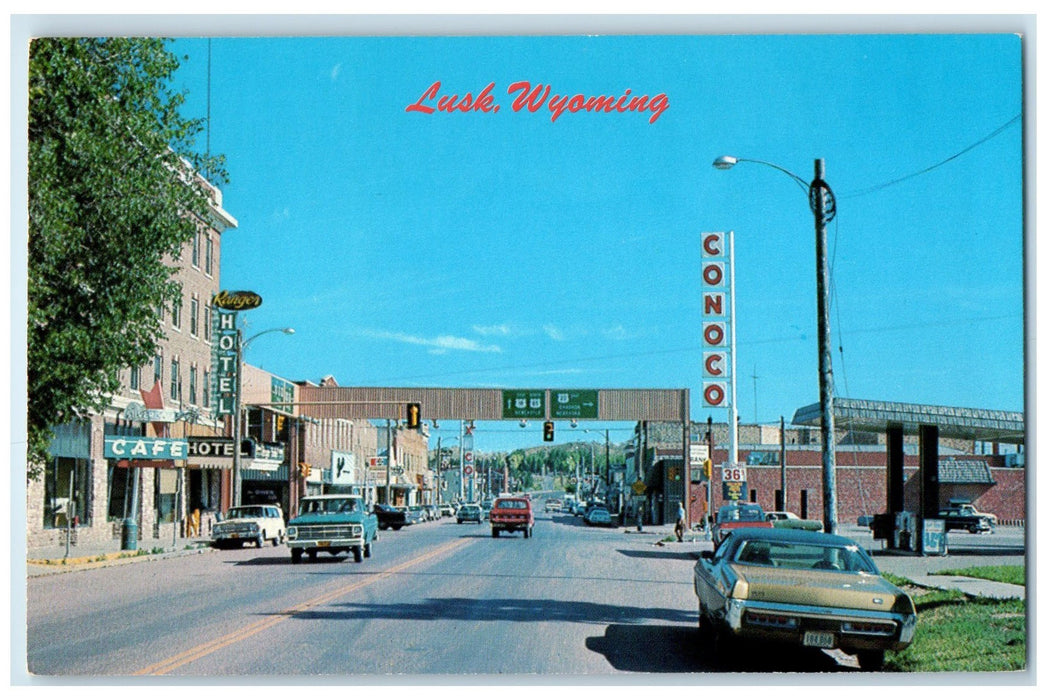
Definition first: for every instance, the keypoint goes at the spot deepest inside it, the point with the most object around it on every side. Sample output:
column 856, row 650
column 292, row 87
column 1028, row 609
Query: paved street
column 436, row 598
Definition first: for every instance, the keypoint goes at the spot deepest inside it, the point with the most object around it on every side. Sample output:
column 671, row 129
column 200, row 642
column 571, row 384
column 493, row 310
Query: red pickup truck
column 737, row 515
column 511, row 513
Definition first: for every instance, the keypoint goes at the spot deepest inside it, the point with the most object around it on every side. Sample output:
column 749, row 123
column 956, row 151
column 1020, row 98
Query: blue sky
column 508, row 249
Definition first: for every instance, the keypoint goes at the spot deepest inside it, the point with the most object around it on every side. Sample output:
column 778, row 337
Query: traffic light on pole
column 414, row 416
column 707, row 467
column 547, row 431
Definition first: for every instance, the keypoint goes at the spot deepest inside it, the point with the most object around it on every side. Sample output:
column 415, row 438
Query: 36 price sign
column 734, row 472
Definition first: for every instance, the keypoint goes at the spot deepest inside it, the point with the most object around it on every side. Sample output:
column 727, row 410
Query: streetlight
column 241, row 346
column 822, row 202
column 607, row 459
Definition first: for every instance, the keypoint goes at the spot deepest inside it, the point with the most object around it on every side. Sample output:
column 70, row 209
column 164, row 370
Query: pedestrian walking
column 680, row 517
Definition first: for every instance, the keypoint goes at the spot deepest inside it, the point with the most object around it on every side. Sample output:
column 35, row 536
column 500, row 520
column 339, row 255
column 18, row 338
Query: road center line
column 202, row 650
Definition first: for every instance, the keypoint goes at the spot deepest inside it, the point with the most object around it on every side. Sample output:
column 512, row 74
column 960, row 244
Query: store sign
column 343, row 467
column 236, row 301
column 281, row 395
column 136, row 448
column 715, row 300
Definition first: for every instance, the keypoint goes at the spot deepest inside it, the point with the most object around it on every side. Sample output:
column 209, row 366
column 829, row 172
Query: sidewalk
column 44, row 561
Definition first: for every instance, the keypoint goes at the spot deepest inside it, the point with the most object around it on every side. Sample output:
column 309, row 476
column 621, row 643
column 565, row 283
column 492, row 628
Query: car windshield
column 330, row 505
column 795, row 555
column 245, row 512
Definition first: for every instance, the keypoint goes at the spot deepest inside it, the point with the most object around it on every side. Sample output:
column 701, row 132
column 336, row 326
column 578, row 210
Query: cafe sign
column 146, row 448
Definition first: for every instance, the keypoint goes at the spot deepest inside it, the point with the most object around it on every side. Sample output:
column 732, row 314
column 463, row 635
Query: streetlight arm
column 727, row 162
column 244, row 344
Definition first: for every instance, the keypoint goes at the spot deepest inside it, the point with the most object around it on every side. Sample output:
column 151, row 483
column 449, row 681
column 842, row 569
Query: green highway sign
column 523, row 403
column 574, row 403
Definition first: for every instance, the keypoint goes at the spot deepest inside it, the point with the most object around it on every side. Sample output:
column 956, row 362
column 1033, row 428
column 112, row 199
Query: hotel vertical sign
column 223, row 362
column 715, row 301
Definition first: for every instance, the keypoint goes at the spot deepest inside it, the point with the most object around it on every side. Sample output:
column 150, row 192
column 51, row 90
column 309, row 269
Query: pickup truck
column 736, row 515
column 967, row 517
column 333, row 524
column 511, row 514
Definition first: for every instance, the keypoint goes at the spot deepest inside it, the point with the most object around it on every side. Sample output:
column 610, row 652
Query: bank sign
column 715, row 300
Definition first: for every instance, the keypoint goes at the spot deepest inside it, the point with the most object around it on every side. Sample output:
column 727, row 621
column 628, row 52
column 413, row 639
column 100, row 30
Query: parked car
column 470, row 512
column 786, row 519
column 598, row 516
column 736, row 515
column 806, row 588
column 417, row 514
column 553, row 505
column 256, row 524
column 578, row 508
column 334, row 524
column 389, row 516
column 446, row 510
column 512, row 514
column 964, row 516
column 485, row 507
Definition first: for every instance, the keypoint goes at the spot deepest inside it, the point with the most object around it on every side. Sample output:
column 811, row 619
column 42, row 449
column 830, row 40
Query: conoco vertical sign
column 715, row 301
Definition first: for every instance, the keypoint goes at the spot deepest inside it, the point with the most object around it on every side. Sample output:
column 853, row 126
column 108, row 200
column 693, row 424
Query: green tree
column 112, row 191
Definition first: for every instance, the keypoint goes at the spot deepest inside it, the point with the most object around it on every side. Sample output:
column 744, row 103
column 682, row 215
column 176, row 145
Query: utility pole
column 824, row 205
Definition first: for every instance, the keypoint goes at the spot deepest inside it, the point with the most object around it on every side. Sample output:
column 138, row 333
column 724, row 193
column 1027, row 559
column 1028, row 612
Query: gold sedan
column 807, row 588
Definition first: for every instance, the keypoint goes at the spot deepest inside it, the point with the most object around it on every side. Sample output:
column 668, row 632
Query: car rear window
column 511, row 504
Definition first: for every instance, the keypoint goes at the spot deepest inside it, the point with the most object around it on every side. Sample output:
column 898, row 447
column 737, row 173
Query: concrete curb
column 53, row 566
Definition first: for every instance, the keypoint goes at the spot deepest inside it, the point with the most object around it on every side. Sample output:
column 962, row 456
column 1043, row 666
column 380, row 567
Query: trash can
column 129, row 534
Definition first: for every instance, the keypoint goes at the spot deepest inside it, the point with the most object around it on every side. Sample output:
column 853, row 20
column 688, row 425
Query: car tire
column 260, row 541
column 358, row 554
column 397, row 527
column 871, row 660
column 494, row 532
column 296, row 556
column 312, row 554
column 367, row 550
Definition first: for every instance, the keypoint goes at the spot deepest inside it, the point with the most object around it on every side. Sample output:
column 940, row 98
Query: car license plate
column 327, row 543
column 233, row 536
column 822, row 640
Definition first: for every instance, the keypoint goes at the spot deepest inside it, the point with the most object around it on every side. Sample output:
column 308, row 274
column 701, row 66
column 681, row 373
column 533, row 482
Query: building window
column 196, row 250
column 207, row 322
column 176, row 381
column 209, row 255
column 192, row 385
column 158, row 369
column 65, row 476
column 176, row 312
column 136, row 378
column 205, row 390
column 194, row 315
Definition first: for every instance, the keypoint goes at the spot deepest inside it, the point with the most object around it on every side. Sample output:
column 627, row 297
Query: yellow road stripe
column 202, row 650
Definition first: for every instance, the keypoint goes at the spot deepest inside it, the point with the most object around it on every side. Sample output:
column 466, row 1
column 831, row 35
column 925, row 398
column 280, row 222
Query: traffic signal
column 547, row 431
column 414, row 416
column 304, row 469
column 707, row 466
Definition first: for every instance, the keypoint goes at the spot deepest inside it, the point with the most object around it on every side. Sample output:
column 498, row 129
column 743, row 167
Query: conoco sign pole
column 733, row 428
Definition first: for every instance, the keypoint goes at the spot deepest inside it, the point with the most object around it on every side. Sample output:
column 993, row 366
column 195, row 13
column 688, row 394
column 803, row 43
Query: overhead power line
column 876, row 188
